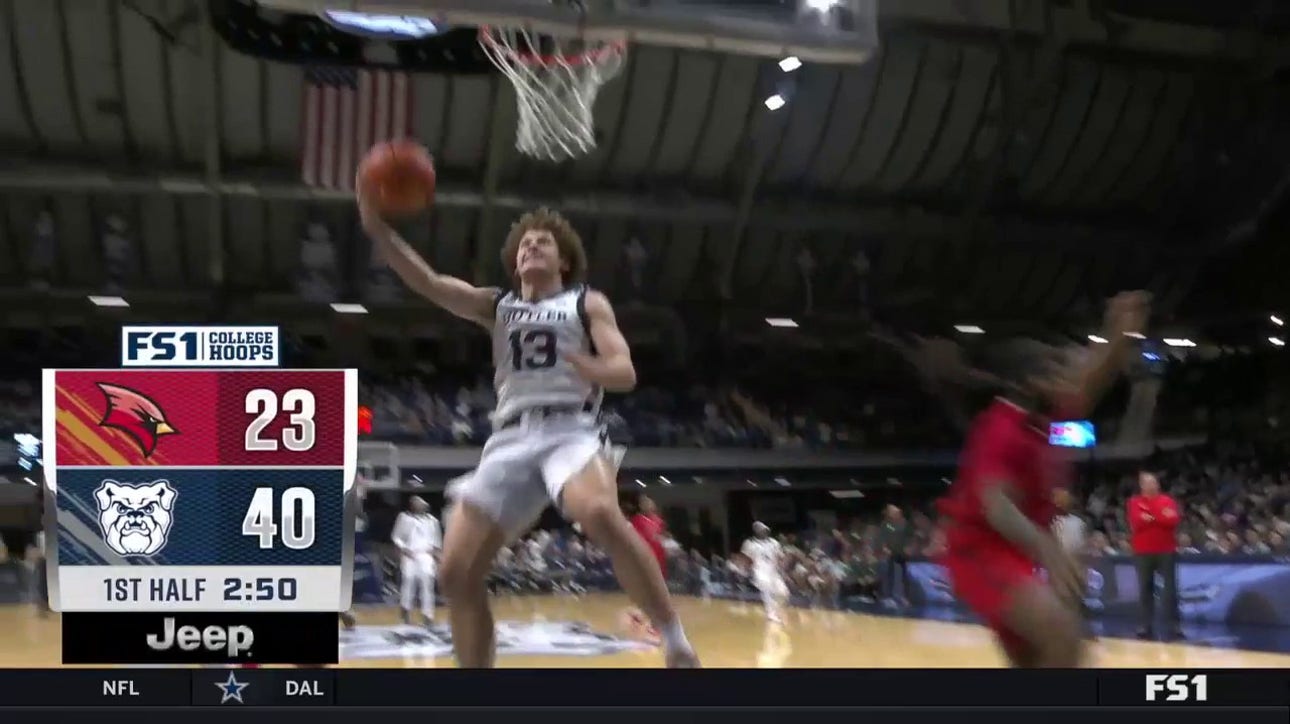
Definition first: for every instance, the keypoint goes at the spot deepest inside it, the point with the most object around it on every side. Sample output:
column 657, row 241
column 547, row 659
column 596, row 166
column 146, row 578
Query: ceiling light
column 1277, row 341
column 664, row 480
column 1178, row 342
column 968, row 329
column 108, row 301
column 640, row 483
column 782, row 482
column 775, row 102
column 1096, row 339
column 790, row 64
column 1135, row 335
column 347, row 308
column 784, row 322
column 1276, row 320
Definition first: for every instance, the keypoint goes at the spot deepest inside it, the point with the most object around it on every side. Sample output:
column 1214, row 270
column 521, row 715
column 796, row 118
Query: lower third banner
column 200, row 638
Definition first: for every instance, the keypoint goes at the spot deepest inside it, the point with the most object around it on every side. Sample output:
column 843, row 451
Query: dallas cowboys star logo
column 232, row 689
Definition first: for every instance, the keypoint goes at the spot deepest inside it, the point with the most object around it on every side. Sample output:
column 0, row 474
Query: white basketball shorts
column 523, row 468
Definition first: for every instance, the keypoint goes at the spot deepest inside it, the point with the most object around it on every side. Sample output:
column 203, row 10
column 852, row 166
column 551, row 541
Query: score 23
column 299, row 434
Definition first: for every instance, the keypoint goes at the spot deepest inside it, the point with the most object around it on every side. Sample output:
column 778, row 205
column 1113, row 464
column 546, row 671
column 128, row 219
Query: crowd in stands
column 1235, row 497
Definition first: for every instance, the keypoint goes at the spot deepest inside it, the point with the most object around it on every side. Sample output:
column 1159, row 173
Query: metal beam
column 1019, row 91
column 761, row 157
column 210, row 109
column 499, row 136
column 892, row 219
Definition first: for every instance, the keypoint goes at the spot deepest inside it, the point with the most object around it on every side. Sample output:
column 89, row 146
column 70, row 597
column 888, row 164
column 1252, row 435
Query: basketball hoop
column 556, row 81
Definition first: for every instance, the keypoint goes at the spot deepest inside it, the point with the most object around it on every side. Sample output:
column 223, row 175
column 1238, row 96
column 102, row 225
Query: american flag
column 345, row 112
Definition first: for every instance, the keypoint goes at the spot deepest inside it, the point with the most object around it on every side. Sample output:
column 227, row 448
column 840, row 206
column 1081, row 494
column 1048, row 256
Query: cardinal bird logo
column 133, row 413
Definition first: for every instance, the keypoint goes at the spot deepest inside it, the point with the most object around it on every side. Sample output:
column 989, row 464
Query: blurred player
column 556, row 349
column 650, row 526
column 767, row 558
column 1000, row 508
column 417, row 535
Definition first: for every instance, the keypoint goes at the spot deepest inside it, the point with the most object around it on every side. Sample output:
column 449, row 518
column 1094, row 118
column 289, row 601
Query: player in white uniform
column 417, row 535
column 767, row 558
column 556, row 347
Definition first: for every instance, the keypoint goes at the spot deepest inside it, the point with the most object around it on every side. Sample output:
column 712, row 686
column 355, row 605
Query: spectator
column 895, row 540
column 1153, row 518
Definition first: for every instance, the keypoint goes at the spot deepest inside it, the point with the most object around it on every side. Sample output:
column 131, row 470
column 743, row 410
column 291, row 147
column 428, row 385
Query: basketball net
column 556, row 81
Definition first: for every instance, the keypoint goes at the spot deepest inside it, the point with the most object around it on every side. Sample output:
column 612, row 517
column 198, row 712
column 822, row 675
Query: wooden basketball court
column 726, row 634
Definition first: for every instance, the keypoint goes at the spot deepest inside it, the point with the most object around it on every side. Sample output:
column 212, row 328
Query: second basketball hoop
column 556, row 81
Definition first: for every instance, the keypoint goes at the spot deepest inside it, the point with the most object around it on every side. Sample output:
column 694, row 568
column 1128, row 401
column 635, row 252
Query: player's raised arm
column 1126, row 317
column 459, row 297
column 611, row 366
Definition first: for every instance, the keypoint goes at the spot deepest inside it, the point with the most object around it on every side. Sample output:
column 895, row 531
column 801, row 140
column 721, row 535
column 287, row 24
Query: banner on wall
column 1253, row 590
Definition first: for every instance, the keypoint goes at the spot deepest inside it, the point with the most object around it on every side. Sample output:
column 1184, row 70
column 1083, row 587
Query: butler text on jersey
column 201, row 490
column 177, row 346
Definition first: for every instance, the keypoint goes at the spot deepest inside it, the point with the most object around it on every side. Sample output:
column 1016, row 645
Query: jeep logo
column 233, row 640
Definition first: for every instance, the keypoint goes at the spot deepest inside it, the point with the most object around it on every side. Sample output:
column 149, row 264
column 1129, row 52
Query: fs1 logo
column 175, row 346
column 1177, row 687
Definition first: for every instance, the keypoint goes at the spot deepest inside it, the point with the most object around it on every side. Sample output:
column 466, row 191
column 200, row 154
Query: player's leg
column 407, row 587
column 589, row 497
column 471, row 542
column 1049, row 628
column 427, row 592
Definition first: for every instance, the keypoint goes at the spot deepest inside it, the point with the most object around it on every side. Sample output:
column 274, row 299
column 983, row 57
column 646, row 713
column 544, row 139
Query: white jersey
column 529, row 342
column 765, row 554
column 418, row 534
column 1070, row 531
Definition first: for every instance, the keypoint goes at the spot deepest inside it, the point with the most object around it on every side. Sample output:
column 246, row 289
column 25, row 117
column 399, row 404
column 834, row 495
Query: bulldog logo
column 135, row 519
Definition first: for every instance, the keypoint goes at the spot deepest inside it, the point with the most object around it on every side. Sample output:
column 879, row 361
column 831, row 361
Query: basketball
column 402, row 175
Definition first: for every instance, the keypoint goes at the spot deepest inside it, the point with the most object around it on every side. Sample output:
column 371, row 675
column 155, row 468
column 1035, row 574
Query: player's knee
column 457, row 578
column 598, row 517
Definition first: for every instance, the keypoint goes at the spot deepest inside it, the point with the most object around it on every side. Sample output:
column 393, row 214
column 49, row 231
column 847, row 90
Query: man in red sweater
column 1153, row 518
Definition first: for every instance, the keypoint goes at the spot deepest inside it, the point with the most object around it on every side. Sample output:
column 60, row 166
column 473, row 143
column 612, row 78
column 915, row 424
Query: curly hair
column 567, row 242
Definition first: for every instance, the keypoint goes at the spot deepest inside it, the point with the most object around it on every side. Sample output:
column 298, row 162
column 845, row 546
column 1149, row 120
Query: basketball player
column 999, row 510
column 416, row 533
column 556, row 348
column 650, row 526
column 767, row 557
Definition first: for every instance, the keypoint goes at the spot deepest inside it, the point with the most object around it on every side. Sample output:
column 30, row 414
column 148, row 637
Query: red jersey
column 1157, row 534
column 1005, row 443
column 650, row 528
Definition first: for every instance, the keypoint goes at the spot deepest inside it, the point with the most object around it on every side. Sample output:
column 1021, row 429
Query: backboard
column 815, row 31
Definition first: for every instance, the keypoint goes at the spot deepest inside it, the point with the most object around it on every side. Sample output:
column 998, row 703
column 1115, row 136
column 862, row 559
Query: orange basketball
column 402, row 175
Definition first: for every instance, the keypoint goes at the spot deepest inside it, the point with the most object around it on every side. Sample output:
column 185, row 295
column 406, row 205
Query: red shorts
column 985, row 579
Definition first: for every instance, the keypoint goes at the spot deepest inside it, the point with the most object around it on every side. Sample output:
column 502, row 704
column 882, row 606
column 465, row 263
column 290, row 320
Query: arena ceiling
column 996, row 163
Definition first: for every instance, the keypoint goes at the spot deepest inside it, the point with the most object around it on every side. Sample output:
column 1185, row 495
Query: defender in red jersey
column 998, row 512
column 650, row 526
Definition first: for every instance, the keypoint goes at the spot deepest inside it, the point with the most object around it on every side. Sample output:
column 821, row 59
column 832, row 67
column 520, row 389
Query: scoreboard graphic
column 200, row 490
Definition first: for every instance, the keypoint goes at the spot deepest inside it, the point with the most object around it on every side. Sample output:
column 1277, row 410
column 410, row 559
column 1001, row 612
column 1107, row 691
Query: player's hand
column 1127, row 312
column 1148, row 517
column 368, row 212
column 1064, row 573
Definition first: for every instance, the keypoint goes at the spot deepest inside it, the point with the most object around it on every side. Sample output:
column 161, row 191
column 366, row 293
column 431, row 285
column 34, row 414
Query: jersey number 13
column 532, row 349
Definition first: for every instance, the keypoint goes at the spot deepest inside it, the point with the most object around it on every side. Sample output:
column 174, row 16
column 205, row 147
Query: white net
column 556, row 82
